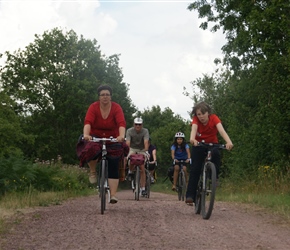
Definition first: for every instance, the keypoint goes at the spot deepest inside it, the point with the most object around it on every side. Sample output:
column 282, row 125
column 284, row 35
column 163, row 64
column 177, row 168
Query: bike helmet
column 179, row 134
column 138, row 120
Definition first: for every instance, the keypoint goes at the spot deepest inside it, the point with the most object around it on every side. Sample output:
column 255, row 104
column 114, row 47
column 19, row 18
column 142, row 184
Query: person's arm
column 193, row 134
column 86, row 132
column 128, row 138
column 188, row 154
column 154, row 155
column 223, row 133
column 173, row 154
column 121, row 136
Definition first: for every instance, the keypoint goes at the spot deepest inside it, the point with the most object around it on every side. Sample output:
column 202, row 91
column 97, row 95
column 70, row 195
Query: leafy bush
column 17, row 175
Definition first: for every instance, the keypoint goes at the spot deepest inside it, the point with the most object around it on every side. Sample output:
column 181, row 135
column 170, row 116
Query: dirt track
column 161, row 222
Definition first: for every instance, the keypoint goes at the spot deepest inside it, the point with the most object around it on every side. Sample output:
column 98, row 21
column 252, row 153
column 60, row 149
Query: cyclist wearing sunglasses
column 137, row 138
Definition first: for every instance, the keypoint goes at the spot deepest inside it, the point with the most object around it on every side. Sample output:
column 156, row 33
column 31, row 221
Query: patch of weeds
column 36, row 216
column 43, row 204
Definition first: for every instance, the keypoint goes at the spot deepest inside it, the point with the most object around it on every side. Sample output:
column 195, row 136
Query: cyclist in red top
column 105, row 118
column 204, row 127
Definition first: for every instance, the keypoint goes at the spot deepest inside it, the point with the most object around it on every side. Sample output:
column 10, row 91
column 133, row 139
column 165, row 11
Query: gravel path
column 161, row 222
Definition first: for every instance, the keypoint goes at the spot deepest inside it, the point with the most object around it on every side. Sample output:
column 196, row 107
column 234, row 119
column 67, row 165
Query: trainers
column 113, row 200
column 143, row 193
column 189, row 201
column 93, row 178
column 173, row 188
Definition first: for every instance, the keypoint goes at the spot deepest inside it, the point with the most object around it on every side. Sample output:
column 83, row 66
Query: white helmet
column 138, row 120
column 179, row 134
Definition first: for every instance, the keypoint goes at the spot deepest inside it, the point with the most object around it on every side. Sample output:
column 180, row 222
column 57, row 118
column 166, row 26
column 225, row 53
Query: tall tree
column 257, row 88
column 54, row 80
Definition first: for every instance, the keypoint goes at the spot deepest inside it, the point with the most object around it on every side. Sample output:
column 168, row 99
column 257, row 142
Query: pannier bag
column 137, row 159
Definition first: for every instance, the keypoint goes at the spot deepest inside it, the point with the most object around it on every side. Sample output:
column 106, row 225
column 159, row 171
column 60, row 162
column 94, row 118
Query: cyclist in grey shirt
column 137, row 139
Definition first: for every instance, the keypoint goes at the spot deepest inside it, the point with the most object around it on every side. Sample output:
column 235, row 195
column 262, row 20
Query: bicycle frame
column 103, row 182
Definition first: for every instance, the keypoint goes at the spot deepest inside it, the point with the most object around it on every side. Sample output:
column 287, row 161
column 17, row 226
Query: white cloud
column 162, row 48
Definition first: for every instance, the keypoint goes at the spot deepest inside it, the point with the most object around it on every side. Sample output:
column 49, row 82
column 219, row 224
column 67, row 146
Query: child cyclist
column 179, row 151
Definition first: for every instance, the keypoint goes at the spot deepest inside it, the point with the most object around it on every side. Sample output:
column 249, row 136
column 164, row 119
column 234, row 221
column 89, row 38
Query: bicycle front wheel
column 183, row 185
column 137, row 183
column 198, row 196
column 208, row 193
column 103, row 186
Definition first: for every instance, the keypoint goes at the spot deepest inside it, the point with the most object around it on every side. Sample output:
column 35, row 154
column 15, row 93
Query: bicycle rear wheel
column 137, row 183
column 208, row 194
column 148, row 183
column 102, row 186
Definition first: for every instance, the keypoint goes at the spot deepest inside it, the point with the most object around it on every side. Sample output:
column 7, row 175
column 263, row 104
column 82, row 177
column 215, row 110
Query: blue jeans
column 198, row 155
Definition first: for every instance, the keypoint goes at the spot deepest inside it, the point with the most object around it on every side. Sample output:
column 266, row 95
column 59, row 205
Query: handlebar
column 97, row 139
column 181, row 161
column 212, row 145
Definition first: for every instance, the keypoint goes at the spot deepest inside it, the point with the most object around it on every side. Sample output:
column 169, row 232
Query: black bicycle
column 181, row 183
column 206, row 188
column 103, row 184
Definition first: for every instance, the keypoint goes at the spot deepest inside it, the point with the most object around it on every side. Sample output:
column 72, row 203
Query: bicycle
column 137, row 160
column 103, row 184
column 206, row 188
column 181, row 183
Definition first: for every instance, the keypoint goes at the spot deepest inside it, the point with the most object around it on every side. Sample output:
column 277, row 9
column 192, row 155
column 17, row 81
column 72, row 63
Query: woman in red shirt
column 105, row 118
column 204, row 127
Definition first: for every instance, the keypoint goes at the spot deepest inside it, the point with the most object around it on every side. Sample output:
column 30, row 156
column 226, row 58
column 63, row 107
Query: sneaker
column 113, row 200
column 189, row 201
column 143, row 193
column 173, row 188
column 93, row 178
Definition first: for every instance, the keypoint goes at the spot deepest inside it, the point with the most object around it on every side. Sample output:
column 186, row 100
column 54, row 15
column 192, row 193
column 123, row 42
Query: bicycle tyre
column 208, row 195
column 137, row 183
column 102, row 186
column 183, row 185
column 148, row 183
column 179, row 186
column 198, row 196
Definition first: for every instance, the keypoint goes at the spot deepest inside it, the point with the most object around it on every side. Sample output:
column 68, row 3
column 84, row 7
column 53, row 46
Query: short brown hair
column 104, row 87
column 203, row 106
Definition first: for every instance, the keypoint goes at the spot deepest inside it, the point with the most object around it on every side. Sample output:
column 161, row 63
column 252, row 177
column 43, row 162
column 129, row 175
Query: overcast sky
column 161, row 45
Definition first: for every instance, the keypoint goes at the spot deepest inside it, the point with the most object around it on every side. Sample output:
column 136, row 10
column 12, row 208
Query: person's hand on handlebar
column 194, row 142
column 120, row 138
column 87, row 137
column 229, row 145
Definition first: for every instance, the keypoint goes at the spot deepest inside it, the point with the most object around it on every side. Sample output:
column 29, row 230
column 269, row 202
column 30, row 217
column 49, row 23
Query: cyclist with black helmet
column 179, row 151
column 137, row 138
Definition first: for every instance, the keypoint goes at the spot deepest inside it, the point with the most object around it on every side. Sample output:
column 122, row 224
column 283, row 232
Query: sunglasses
column 136, row 124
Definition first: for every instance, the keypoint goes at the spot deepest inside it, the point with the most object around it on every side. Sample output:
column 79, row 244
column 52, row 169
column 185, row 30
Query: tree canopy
column 52, row 82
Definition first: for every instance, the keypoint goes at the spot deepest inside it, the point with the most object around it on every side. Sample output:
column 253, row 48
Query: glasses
column 138, row 124
column 104, row 95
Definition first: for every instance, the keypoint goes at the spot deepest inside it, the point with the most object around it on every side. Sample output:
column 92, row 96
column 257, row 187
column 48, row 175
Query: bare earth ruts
column 161, row 222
